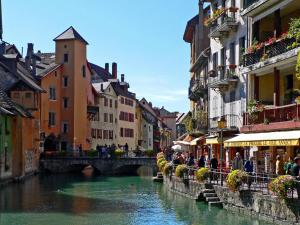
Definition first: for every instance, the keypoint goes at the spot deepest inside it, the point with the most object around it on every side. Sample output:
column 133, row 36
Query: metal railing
column 273, row 115
column 269, row 51
column 256, row 182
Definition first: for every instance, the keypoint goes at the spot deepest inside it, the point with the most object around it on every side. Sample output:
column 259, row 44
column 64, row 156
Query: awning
column 181, row 143
column 280, row 138
column 212, row 140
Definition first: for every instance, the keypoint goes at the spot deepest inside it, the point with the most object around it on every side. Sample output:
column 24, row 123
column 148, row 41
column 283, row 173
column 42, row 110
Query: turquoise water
column 79, row 200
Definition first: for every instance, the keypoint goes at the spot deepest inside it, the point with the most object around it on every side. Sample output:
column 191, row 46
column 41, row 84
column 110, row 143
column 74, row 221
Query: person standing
column 201, row 162
column 191, row 160
column 126, row 149
column 214, row 162
column 248, row 167
column 237, row 163
column 279, row 166
column 288, row 166
column 296, row 173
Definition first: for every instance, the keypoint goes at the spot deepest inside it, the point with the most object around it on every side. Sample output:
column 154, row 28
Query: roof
column 10, row 107
column 120, row 91
column 70, row 34
column 165, row 113
column 189, row 29
column 100, row 73
column 97, row 86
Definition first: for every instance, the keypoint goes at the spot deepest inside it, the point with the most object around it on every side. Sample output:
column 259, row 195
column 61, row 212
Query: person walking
column 201, row 161
column 237, row 163
column 279, row 166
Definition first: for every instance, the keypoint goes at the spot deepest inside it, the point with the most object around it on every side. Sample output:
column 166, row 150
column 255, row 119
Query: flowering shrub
column 181, row 170
column 119, row 152
column 161, row 165
column 235, row 179
column 215, row 14
column 160, row 155
column 282, row 185
column 167, row 169
column 202, row 174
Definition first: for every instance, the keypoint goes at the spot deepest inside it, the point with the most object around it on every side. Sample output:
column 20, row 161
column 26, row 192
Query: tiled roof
column 10, row 106
column 120, row 91
column 101, row 73
column 70, row 34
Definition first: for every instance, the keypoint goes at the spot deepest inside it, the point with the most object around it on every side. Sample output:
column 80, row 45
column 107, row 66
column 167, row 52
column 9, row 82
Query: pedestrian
column 279, row 165
column 201, row 161
column 80, row 149
column 214, row 162
column 288, row 166
column 191, row 160
column 248, row 167
column 98, row 149
column 126, row 149
column 237, row 163
column 296, row 173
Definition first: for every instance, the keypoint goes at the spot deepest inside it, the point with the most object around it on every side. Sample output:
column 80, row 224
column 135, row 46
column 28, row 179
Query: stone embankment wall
column 189, row 188
column 265, row 207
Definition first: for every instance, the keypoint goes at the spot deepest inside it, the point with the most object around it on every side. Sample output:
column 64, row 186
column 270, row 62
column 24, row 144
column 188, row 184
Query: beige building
column 104, row 124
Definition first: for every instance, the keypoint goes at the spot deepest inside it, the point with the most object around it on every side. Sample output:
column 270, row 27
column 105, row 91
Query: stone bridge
column 103, row 166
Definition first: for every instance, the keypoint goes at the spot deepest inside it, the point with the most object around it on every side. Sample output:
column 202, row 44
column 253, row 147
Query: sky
column 144, row 37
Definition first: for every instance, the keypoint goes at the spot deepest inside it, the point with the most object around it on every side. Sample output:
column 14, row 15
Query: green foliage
column 167, row 169
column 202, row 174
column 119, row 152
column 294, row 31
column 149, row 153
column 235, row 179
column 92, row 153
column 181, row 170
column 282, row 185
column 161, row 165
column 298, row 67
column 160, row 155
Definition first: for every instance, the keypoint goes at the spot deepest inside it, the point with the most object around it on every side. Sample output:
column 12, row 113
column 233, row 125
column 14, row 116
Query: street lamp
column 222, row 124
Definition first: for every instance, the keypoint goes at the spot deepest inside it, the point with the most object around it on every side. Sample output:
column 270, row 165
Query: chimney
column 114, row 70
column 122, row 78
column 2, row 48
column 30, row 50
column 33, row 72
column 107, row 67
column 102, row 89
column 27, row 62
column 150, row 104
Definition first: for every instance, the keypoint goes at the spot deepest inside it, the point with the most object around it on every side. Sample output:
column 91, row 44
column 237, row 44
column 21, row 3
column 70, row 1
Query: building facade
column 104, row 123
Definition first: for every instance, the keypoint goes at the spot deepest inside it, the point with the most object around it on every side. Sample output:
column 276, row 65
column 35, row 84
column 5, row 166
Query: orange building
column 65, row 108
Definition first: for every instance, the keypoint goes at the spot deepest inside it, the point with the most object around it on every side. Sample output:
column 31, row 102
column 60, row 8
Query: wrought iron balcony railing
column 268, row 51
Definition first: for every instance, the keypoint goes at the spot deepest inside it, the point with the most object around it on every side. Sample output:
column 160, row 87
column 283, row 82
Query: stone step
column 212, row 199
column 210, row 195
column 216, row 204
column 209, row 191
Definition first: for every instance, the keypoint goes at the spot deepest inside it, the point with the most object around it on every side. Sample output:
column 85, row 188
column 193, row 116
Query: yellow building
column 105, row 122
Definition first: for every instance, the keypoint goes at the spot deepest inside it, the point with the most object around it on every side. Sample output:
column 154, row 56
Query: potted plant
column 254, row 108
column 232, row 66
column 181, row 171
column 282, row 185
column 233, row 9
column 119, row 153
column 202, row 174
column 235, row 179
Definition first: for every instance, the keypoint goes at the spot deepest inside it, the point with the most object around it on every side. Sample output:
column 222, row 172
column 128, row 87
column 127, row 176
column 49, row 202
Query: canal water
column 82, row 200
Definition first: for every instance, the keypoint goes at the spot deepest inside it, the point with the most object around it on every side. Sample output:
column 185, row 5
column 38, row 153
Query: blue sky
column 144, row 37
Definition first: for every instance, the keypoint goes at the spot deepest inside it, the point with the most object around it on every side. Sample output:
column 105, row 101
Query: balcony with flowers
column 226, row 78
column 221, row 22
column 260, row 117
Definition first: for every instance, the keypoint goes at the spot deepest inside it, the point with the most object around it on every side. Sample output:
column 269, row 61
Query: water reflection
column 77, row 200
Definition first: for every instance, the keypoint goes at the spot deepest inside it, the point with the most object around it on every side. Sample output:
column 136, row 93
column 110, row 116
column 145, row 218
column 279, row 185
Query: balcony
column 272, row 118
column 226, row 79
column 264, row 54
column 197, row 90
column 233, row 122
column 252, row 8
column 226, row 23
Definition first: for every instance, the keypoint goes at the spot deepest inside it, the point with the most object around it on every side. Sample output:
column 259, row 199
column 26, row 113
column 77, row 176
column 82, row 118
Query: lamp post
column 222, row 124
